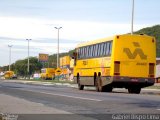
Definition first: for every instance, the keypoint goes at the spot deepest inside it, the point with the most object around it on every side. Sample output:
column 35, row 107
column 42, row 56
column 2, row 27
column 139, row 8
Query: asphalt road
column 86, row 104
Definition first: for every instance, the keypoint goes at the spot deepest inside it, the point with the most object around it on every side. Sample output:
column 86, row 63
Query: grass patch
column 153, row 87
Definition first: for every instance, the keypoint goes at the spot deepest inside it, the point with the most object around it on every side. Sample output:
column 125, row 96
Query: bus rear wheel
column 134, row 90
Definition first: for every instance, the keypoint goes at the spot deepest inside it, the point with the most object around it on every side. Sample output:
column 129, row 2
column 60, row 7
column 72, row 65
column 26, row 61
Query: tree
column 21, row 66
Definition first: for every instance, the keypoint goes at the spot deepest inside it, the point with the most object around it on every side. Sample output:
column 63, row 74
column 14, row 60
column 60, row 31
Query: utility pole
column 28, row 58
column 132, row 22
column 10, row 46
column 58, row 46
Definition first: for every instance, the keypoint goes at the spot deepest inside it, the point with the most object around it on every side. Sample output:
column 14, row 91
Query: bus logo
column 85, row 62
column 137, row 51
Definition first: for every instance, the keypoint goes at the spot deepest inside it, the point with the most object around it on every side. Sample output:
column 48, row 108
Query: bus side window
column 110, row 48
column 101, row 50
column 90, row 51
column 80, row 53
column 105, row 48
column 98, row 50
column 108, row 45
column 87, row 51
column 93, row 52
column 83, row 52
column 86, row 54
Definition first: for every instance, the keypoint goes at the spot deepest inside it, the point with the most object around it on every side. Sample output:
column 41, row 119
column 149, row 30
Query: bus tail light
column 117, row 36
column 116, row 67
column 151, row 69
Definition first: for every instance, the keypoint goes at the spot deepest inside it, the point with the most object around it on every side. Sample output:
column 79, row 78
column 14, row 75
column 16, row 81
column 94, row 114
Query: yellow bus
column 47, row 73
column 10, row 75
column 122, row 61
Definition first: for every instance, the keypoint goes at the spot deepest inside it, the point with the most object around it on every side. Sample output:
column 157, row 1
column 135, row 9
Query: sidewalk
column 157, row 84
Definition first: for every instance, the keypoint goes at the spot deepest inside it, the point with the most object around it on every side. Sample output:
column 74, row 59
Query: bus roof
column 95, row 41
column 106, row 39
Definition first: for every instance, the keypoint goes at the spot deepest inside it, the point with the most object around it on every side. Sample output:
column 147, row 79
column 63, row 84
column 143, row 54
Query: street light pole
column 28, row 56
column 10, row 46
column 132, row 17
column 58, row 46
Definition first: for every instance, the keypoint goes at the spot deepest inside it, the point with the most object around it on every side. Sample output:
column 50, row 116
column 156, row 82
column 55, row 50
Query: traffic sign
column 58, row 71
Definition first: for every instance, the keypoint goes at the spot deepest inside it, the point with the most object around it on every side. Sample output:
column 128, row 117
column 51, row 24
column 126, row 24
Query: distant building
column 1, row 73
column 66, row 64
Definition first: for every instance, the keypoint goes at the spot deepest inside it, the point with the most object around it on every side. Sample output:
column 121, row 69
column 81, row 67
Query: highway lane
column 83, row 102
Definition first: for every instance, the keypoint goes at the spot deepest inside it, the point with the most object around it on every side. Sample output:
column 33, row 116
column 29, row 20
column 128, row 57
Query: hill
column 53, row 58
column 152, row 31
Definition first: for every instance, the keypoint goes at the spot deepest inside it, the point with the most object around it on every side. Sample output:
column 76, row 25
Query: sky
column 81, row 20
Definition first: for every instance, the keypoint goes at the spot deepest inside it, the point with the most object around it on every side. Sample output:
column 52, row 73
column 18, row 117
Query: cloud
column 15, row 31
column 72, row 30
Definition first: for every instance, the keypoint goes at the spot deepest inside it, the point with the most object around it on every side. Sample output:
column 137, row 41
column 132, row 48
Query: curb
column 41, row 83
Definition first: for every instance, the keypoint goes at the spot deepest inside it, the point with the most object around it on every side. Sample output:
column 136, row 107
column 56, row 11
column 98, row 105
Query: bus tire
column 134, row 90
column 80, row 87
column 96, row 84
column 99, row 87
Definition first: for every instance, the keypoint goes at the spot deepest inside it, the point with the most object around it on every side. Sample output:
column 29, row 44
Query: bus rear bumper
column 119, row 81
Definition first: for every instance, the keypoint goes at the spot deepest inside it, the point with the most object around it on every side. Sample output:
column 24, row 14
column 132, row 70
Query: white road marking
column 62, row 95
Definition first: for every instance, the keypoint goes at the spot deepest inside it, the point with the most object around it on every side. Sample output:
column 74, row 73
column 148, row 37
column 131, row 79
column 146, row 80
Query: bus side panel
column 87, row 69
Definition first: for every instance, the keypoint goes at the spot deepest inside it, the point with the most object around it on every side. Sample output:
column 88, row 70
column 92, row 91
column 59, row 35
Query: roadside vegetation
column 49, row 81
